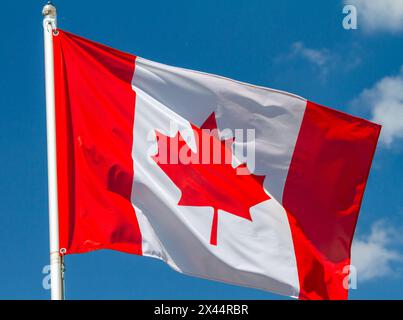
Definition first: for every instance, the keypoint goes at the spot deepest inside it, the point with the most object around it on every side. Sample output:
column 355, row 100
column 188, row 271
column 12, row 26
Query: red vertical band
column 95, row 107
column 323, row 194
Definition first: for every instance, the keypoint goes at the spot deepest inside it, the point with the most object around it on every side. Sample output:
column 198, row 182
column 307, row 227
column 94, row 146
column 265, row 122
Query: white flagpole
column 49, row 27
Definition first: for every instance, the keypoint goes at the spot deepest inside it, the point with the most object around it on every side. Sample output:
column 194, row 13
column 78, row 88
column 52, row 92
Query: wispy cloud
column 385, row 99
column 319, row 57
column 376, row 255
column 379, row 15
column 323, row 60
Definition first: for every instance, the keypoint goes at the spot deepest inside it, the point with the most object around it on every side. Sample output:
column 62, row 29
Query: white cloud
column 325, row 61
column 374, row 256
column 383, row 15
column 385, row 99
column 319, row 57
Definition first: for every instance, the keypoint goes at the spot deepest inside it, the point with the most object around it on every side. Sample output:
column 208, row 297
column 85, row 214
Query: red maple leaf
column 204, row 182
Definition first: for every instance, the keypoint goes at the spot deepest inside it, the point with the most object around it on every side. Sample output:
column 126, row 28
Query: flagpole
column 49, row 27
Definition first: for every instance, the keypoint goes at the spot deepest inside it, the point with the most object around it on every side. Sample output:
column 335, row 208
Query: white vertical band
column 258, row 253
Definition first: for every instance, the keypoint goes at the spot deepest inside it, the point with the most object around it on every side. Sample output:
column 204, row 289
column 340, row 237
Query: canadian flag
column 220, row 179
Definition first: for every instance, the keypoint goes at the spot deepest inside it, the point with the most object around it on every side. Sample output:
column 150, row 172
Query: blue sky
column 296, row 46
